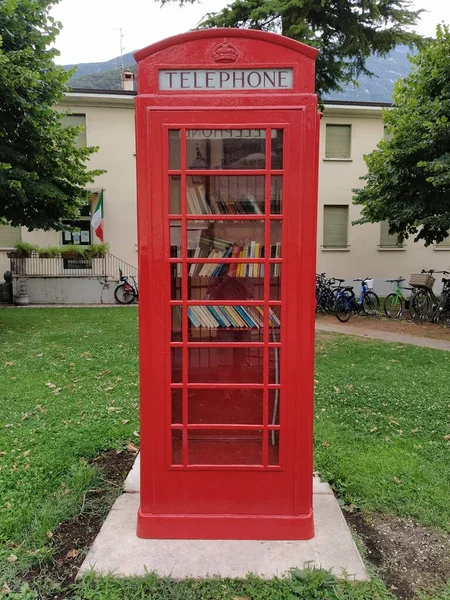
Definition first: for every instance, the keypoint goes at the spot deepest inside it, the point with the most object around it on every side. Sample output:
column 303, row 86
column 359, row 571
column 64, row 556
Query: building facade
column 348, row 132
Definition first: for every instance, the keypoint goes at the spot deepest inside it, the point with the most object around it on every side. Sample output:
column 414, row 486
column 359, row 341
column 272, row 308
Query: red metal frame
column 230, row 501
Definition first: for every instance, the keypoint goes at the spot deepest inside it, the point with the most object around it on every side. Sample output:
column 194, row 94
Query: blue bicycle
column 346, row 303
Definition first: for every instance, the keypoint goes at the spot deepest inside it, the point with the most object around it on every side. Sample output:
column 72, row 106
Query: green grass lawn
column 69, row 390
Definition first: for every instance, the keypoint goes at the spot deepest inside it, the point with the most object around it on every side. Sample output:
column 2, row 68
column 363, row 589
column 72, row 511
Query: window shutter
column 335, row 225
column 76, row 121
column 9, row 236
column 386, row 239
column 337, row 141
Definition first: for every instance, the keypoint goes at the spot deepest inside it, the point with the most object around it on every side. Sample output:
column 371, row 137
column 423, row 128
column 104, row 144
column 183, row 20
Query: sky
column 91, row 27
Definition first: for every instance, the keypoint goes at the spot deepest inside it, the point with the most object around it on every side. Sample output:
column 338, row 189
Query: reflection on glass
column 274, row 448
column 177, row 447
column 176, row 324
column 177, row 407
column 231, row 407
column 276, row 194
column 225, row 365
column 174, row 149
column 226, row 149
column 277, row 149
column 225, row 447
column 274, row 365
column 177, row 358
column 175, row 194
column 225, row 195
column 274, row 406
column 275, row 239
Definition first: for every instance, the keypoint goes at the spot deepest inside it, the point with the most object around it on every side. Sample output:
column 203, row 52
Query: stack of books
column 218, row 204
column 214, row 247
column 248, row 317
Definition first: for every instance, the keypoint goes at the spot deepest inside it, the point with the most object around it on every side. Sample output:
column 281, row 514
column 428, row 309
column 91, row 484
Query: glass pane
column 274, row 365
column 224, row 287
column 225, row 365
column 275, row 324
column 226, row 149
column 276, row 195
column 275, row 239
column 177, row 406
column 225, row 447
column 275, row 282
column 221, row 334
column 243, row 407
column 277, row 149
column 231, row 238
column 225, row 195
column 274, row 448
column 174, row 149
column 177, row 361
column 176, row 324
column 175, row 194
column 274, row 407
column 177, row 447
column 175, row 281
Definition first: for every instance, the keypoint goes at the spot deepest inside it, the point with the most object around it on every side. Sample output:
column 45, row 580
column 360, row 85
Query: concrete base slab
column 118, row 551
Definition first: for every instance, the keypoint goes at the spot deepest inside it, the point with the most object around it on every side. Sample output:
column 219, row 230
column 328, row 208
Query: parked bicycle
column 347, row 304
column 325, row 297
column 394, row 302
column 126, row 292
column 424, row 303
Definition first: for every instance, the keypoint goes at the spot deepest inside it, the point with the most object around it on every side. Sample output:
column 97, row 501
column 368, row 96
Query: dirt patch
column 73, row 537
column 399, row 326
column 408, row 556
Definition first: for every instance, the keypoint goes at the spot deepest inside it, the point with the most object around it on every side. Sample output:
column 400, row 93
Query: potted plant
column 22, row 250
column 96, row 250
column 49, row 251
column 72, row 251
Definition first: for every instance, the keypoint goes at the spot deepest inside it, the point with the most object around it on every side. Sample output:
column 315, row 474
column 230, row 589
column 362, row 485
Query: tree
column 42, row 174
column 408, row 179
column 346, row 32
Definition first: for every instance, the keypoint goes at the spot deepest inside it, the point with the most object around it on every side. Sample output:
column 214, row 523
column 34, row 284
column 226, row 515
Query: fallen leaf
column 49, row 534
column 10, row 363
column 27, row 453
column 25, row 417
column 72, row 553
column 373, row 429
column 337, row 390
column 415, row 430
column 50, row 385
column 136, row 434
column 397, row 480
column 125, row 421
column 6, row 589
column 132, row 448
column 447, row 437
column 326, row 444
column 12, row 558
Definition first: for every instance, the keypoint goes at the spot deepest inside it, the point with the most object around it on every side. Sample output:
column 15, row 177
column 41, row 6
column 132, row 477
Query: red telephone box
column 227, row 141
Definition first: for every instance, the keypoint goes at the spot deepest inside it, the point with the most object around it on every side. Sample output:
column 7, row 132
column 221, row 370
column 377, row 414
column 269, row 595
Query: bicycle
column 393, row 303
column 126, row 292
column 423, row 300
column 346, row 303
column 324, row 293
column 442, row 312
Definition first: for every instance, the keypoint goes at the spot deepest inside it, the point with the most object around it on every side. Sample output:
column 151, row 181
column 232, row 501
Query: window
column 79, row 231
column 335, row 226
column 338, row 141
column 9, row 236
column 76, row 121
column 388, row 240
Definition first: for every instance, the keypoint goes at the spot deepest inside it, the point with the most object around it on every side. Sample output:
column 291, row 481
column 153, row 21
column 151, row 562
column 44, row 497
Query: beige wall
column 110, row 125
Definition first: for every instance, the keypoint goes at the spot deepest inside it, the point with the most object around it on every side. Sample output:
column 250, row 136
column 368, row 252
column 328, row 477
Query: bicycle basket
column 422, row 280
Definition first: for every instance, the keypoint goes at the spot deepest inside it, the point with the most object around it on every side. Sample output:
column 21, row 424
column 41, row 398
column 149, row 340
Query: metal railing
column 106, row 267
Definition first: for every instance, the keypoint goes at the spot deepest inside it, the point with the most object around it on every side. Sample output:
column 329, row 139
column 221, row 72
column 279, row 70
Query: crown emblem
column 225, row 53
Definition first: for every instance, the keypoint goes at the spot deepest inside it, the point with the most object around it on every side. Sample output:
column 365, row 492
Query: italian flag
column 97, row 218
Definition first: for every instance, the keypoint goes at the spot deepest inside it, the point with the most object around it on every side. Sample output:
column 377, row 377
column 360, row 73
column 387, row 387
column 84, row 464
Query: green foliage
column 408, row 179
column 346, row 32
column 24, row 250
column 42, row 174
column 108, row 80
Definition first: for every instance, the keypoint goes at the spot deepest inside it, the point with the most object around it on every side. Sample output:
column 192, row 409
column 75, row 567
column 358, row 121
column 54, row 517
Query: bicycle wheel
column 442, row 313
column 124, row 293
column 419, row 305
column 393, row 306
column 342, row 308
column 371, row 303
